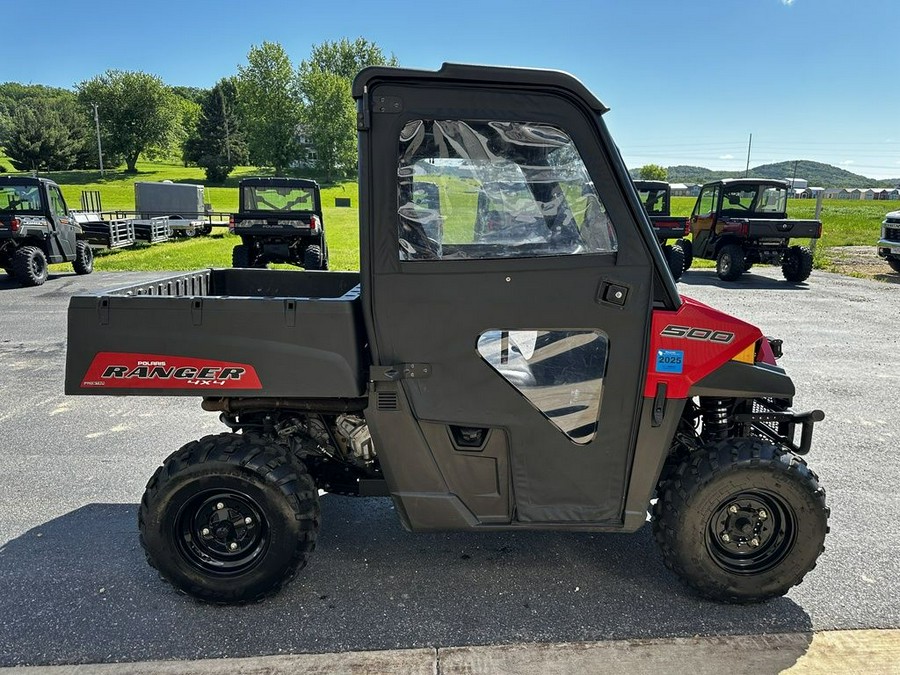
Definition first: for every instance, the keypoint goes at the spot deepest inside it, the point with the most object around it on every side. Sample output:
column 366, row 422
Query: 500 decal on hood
column 118, row 370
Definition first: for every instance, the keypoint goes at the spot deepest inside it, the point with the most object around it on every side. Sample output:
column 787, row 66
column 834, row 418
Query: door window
column 707, row 202
column 471, row 189
column 560, row 372
column 57, row 205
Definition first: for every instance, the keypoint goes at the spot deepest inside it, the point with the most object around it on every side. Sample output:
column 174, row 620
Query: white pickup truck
column 889, row 244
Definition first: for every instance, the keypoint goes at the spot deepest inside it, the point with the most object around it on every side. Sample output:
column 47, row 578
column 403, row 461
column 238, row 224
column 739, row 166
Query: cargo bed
column 774, row 228
column 221, row 332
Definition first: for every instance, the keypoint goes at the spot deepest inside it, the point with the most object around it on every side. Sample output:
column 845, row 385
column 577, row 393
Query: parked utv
column 279, row 221
column 516, row 378
column 36, row 228
column 656, row 197
column 889, row 244
column 743, row 221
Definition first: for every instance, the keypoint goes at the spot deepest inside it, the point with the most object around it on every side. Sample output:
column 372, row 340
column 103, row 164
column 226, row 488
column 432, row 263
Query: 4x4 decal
column 721, row 337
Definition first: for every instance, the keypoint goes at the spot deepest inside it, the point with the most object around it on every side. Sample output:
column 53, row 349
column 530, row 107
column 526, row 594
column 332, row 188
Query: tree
column 218, row 143
column 270, row 106
column 653, row 172
column 330, row 123
column 138, row 113
column 329, row 115
column 38, row 139
column 346, row 58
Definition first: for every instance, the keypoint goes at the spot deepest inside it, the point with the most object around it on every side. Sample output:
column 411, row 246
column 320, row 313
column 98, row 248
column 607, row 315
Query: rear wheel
column 730, row 262
column 29, row 266
column 313, row 258
column 241, row 257
column 797, row 264
column 742, row 521
column 229, row 518
column 675, row 260
column 688, row 248
column 894, row 263
column 84, row 258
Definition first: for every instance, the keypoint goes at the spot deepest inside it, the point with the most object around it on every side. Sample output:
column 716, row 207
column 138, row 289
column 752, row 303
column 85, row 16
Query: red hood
column 688, row 344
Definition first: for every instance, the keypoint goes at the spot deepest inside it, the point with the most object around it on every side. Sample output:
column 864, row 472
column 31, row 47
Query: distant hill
column 817, row 173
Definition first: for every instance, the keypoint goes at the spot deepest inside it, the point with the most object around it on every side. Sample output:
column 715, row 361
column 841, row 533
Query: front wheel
column 742, row 521
column 84, row 258
column 730, row 262
column 687, row 247
column 229, row 518
column 29, row 266
column 797, row 264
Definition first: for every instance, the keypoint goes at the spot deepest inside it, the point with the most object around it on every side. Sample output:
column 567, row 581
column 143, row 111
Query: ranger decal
column 117, row 370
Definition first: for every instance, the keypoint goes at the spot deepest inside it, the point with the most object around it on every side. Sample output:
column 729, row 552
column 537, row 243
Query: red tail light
column 314, row 223
column 15, row 224
column 687, row 227
column 231, row 224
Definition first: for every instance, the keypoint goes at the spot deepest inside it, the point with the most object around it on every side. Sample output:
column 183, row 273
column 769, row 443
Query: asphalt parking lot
column 75, row 587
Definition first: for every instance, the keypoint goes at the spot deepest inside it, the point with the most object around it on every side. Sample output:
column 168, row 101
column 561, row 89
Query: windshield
column 740, row 200
column 283, row 198
column 20, row 199
column 654, row 201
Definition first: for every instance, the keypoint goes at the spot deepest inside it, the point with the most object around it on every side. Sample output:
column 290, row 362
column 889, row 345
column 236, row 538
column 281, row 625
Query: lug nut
column 233, row 546
column 205, row 532
column 762, row 514
column 754, row 542
column 248, row 520
column 726, row 538
column 733, row 508
column 220, row 506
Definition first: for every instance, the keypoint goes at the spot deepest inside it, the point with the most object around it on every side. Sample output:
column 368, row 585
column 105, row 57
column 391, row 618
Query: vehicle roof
column 276, row 181
column 498, row 75
column 26, row 180
column 748, row 181
column 650, row 184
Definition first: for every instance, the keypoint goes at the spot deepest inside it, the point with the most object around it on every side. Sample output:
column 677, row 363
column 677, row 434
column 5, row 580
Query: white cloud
column 726, row 156
column 847, row 162
column 787, row 3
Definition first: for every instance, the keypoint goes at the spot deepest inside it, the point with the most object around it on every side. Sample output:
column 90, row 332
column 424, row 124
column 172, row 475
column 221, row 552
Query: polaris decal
column 721, row 337
column 117, row 370
column 669, row 361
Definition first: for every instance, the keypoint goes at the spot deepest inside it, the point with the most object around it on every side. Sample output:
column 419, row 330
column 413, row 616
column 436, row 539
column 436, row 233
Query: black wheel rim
column 751, row 532
column 38, row 266
column 224, row 533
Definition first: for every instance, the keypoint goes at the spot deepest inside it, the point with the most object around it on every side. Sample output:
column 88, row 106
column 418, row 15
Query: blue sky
column 687, row 81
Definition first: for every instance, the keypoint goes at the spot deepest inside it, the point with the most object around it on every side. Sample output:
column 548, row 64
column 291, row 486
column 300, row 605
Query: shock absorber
column 717, row 419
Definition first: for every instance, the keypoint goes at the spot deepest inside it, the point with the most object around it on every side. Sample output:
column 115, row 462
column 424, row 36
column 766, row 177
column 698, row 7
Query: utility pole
column 749, row 143
column 225, row 122
column 99, row 146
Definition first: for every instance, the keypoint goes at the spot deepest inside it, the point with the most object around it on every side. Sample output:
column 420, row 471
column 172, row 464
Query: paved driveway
column 75, row 587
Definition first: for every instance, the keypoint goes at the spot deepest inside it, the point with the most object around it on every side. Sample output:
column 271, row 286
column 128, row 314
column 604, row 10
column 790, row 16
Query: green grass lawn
column 844, row 222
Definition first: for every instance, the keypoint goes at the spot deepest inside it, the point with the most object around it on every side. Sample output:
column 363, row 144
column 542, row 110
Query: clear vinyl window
column 560, row 372
column 495, row 190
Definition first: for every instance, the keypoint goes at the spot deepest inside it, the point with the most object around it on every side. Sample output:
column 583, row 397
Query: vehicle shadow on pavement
column 748, row 280
column 77, row 590
column 7, row 283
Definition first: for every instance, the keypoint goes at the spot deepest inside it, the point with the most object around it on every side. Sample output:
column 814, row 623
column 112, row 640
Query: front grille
column 764, row 405
column 892, row 233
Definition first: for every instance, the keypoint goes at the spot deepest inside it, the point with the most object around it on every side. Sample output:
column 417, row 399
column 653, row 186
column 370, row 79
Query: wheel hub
column 750, row 533
column 221, row 532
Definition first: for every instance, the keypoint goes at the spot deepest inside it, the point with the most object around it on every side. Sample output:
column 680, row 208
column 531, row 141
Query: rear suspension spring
column 717, row 418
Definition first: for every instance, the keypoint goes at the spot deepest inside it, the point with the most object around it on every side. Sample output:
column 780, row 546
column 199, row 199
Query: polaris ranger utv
column 742, row 221
column 549, row 377
column 36, row 228
column 656, row 197
column 279, row 221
